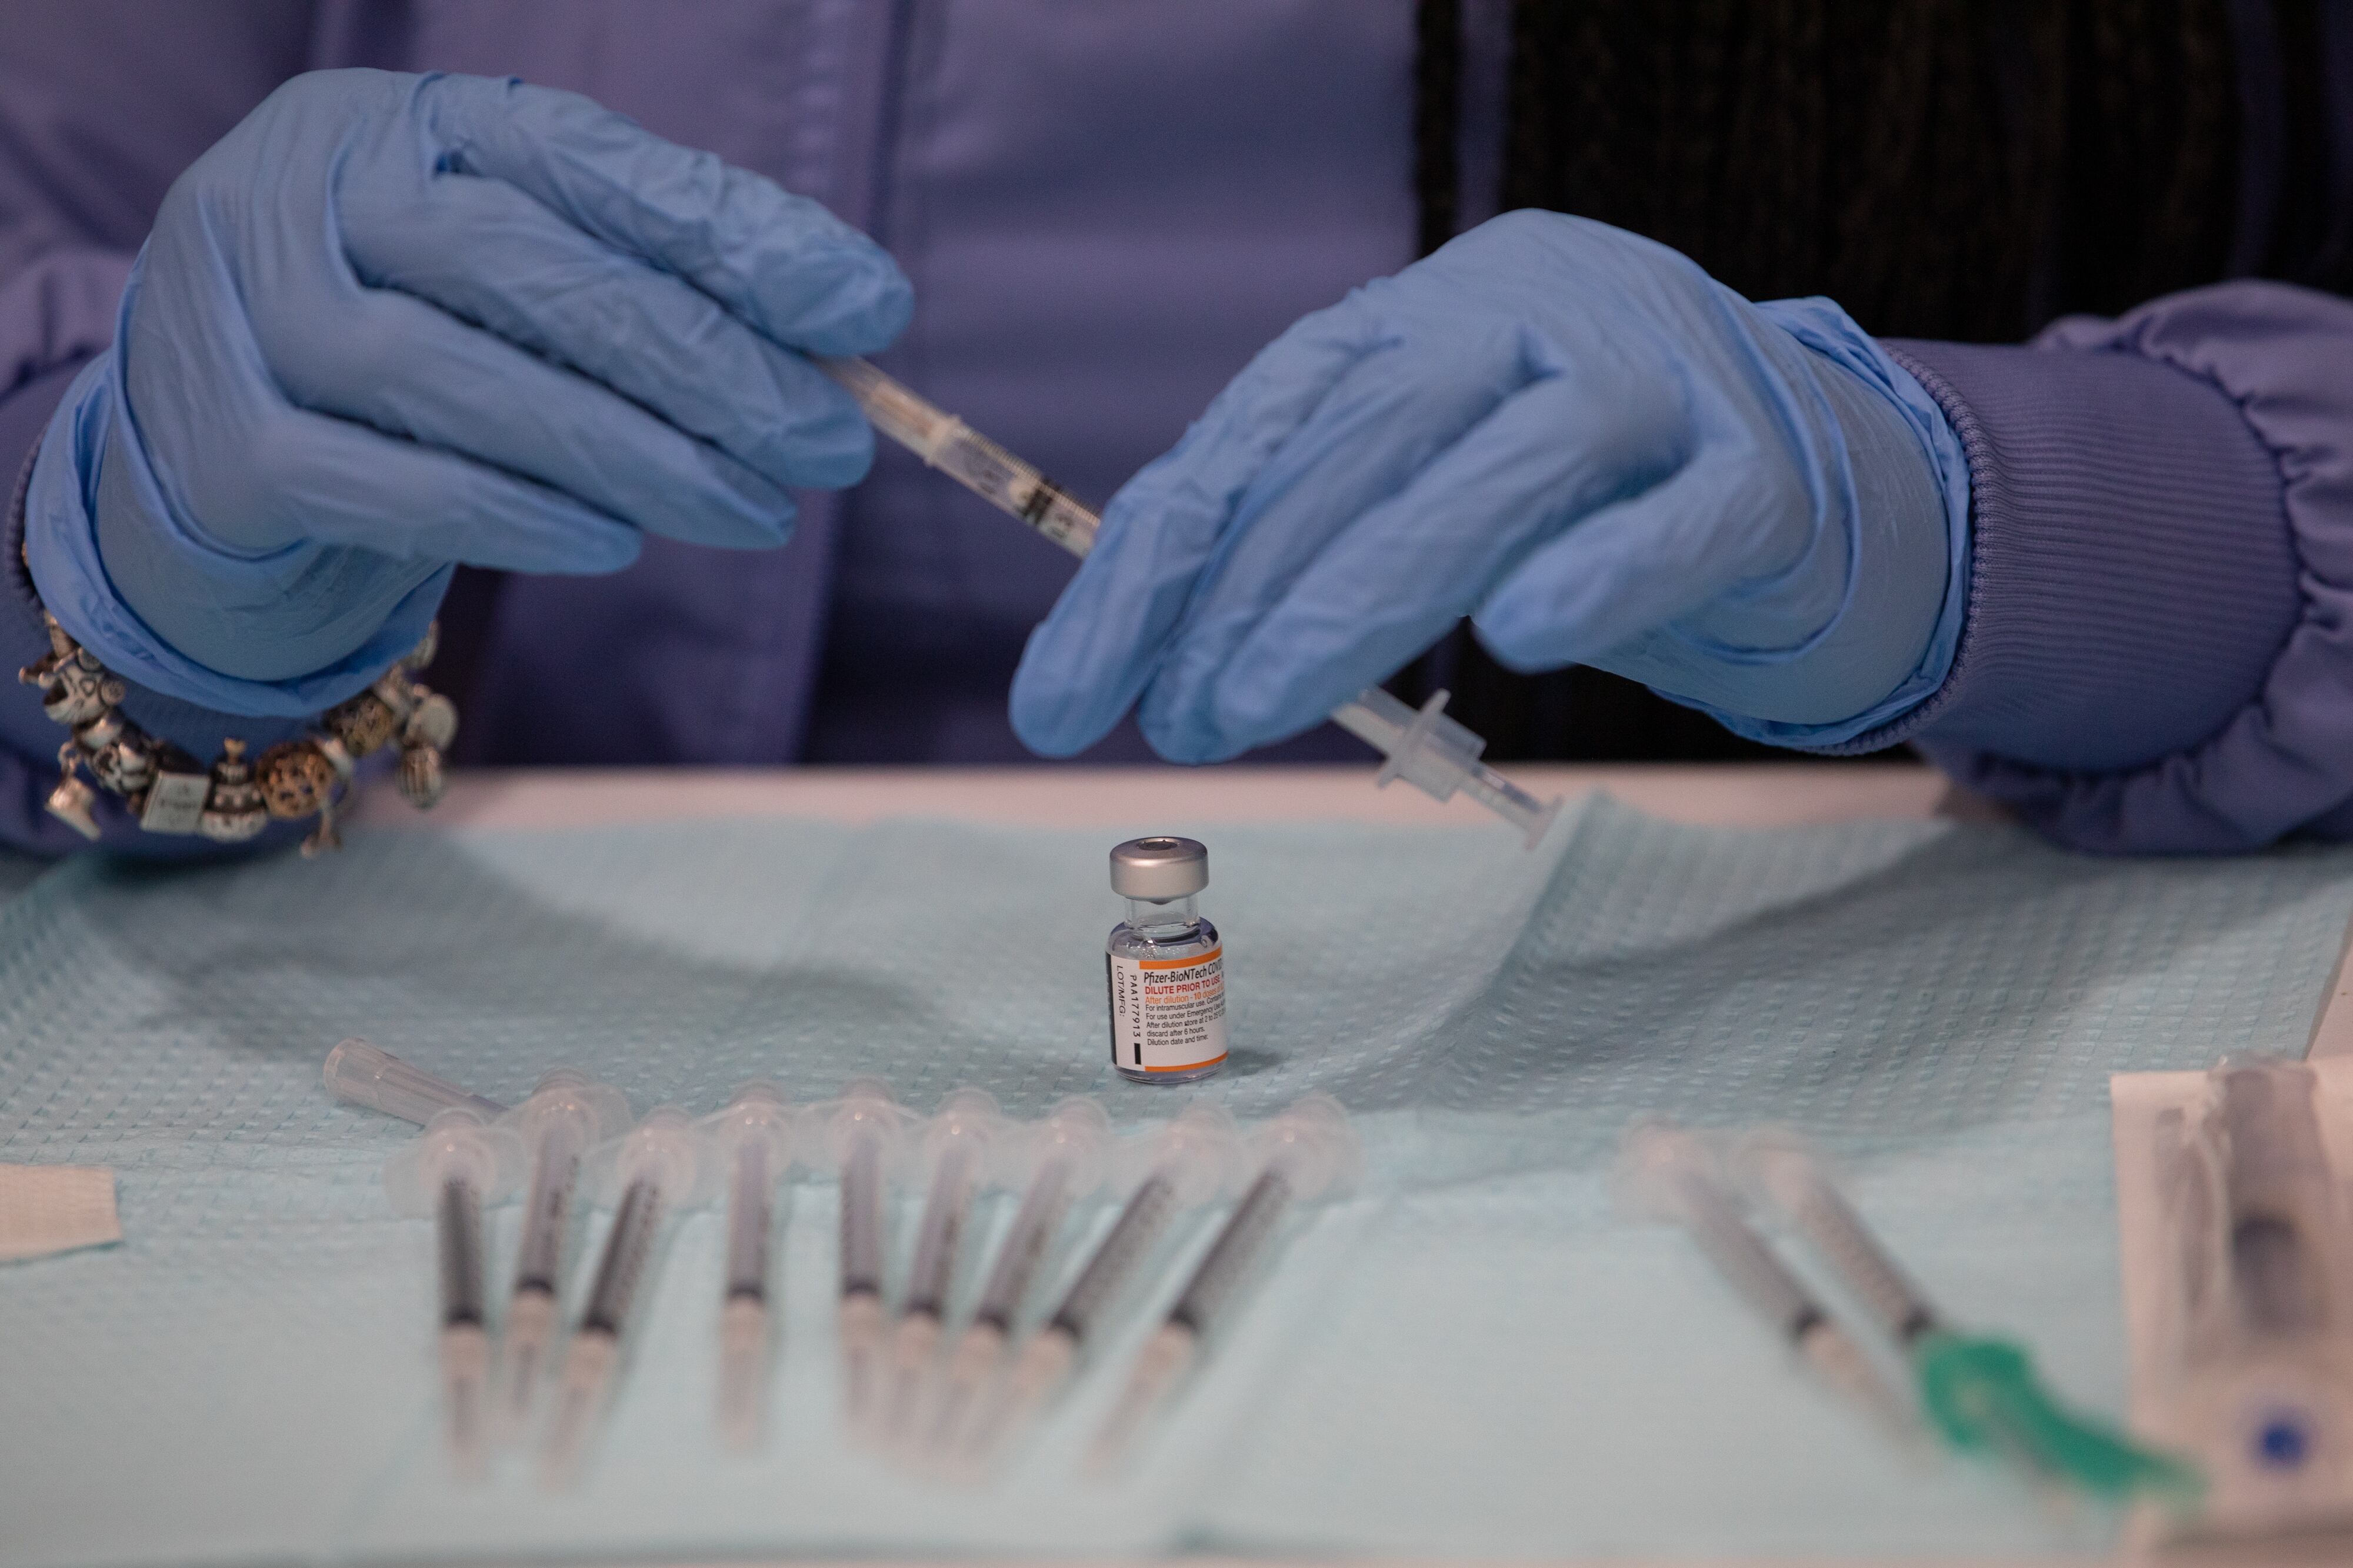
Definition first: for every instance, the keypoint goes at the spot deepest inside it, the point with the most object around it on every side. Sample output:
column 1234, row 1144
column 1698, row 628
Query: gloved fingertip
column 1189, row 744
column 1526, row 641
column 863, row 312
column 1051, row 714
column 616, row 552
column 833, row 454
column 768, row 529
column 1044, row 726
column 575, row 552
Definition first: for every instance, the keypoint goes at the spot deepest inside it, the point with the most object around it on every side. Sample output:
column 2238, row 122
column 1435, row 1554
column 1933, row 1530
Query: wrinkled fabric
column 1564, row 431
column 2163, row 563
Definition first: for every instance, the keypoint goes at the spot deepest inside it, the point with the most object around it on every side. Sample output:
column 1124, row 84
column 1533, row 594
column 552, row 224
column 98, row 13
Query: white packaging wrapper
column 55, row 1208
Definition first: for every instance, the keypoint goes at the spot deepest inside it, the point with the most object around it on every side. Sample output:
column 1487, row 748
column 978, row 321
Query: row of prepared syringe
column 946, row 1402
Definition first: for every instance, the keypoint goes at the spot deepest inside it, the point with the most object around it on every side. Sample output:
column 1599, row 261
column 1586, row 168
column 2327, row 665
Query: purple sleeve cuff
column 56, row 313
column 2158, row 652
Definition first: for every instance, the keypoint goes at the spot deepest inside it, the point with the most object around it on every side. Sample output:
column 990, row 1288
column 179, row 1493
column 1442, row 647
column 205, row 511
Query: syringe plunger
column 1427, row 750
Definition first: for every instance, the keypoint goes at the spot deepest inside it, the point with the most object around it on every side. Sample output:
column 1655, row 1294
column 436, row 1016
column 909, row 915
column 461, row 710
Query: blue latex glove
column 1573, row 436
column 391, row 322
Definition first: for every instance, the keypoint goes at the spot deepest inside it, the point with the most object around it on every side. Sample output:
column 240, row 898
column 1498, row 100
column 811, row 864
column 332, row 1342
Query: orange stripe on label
column 1188, row 1067
column 1180, row 962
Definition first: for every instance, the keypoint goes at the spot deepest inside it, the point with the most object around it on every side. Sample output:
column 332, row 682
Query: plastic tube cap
column 369, row 1076
column 1197, row 1151
column 1658, row 1166
column 865, row 1109
column 1159, row 868
column 1315, row 1146
column 1077, row 1129
column 459, row 1143
column 664, row 1147
column 1783, row 1165
column 967, row 1116
column 758, row 1114
column 567, row 1094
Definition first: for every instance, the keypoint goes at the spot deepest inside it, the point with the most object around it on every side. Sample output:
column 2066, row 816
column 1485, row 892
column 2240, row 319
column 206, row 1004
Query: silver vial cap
column 1159, row 868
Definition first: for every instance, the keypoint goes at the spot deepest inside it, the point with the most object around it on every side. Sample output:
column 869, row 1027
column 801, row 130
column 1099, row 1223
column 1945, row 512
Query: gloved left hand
column 1573, row 436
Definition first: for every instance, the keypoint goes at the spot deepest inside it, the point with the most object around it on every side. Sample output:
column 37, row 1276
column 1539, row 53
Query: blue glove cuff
column 62, row 553
column 1825, row 329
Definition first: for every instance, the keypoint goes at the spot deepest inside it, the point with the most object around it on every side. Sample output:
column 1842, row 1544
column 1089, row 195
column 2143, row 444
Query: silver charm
column 422, row 778
column 338, row 756
column 433, row 722
column 420, row 655
column 174, row 802
column 101, row 731
column 325, row 837
column 71, row 801
column 78, row 691
column 123, row 765
column 235, row 812
column 398, row 692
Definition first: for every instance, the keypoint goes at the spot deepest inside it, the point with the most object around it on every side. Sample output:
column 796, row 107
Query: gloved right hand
column 392, row 322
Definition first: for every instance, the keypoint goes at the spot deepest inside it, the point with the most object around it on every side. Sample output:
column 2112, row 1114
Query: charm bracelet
column 168, row 790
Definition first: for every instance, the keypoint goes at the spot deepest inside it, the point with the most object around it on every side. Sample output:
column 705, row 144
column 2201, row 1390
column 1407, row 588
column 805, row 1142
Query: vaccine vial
column 1163, row 967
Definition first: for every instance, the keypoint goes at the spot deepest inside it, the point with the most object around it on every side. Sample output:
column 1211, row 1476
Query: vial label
column 1167, row 1015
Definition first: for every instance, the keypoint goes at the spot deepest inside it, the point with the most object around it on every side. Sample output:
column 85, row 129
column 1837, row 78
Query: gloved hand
column 1569, row 434
column 391, row 322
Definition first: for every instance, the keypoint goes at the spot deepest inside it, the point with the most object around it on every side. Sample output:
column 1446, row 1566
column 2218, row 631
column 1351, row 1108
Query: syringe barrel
column 460, row 1237
column 861, row 1218
column 946, row 443
column 1146, row 1214
column 1802, row 1189
column 895, row 410
column 747, row 1223
column 555, row 1174
column 1741, row 1256
column 1227, row 1262
column 369, row 1075
column 936, row 1233
column 1669, row 1173
column 1024, row 1247
column 627, row 1248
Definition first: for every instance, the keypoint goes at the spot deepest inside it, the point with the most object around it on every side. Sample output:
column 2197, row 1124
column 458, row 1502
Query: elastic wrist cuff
column 1826, row 330
column 61, row 552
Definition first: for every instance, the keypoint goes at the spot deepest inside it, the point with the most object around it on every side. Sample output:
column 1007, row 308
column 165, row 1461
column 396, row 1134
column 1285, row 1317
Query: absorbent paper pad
column 1475, row 1357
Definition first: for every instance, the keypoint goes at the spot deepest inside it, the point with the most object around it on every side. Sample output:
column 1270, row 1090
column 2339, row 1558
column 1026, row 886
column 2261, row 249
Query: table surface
column 1748, row 795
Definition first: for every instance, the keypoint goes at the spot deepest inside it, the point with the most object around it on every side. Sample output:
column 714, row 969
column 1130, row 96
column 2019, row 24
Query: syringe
column 565, row 1116
column 658, row 1164
column 1306, row 1151
column 956, row 1145
column 1425, row 748
column 1185, row 1165
column 753, row 1143
column 1065, row 1154
column 458, row 1166
column 862, row 1130
column 1980, row 1392
column 1669, row 1173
